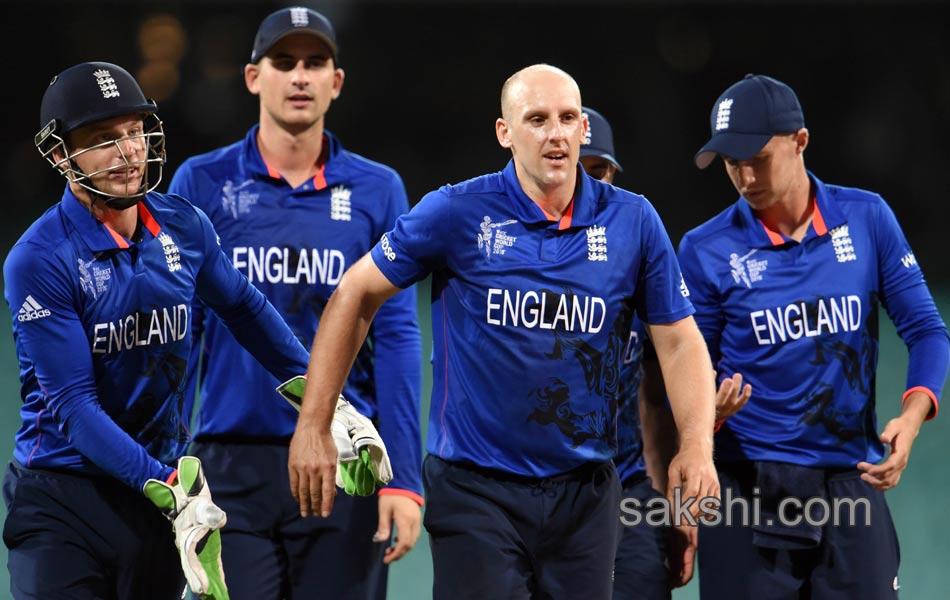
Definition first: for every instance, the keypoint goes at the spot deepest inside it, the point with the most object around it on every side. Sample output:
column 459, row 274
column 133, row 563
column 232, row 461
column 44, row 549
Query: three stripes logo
column 31, row 310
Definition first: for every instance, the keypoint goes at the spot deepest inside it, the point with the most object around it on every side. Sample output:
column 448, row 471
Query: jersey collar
column 97, row 235
column 828, row 215
column 331, row 173
column 580, row 213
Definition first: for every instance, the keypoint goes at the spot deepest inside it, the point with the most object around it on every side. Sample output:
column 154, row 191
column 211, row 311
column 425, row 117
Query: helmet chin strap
column 109, row 201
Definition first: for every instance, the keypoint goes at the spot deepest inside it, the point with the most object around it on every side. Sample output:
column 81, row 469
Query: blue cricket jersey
column 294, row 245
column 102, row 332
column 531, row 317
column 799, row 321
column 629, row 460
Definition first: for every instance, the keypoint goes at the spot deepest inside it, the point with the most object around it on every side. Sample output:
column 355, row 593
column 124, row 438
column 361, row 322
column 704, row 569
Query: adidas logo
column 31, row 310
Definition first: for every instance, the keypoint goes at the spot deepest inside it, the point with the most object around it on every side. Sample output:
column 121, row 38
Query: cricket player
column 100, row 289
column 537, row 273
column 652, row 559
column 787, row 284
column 294, row 210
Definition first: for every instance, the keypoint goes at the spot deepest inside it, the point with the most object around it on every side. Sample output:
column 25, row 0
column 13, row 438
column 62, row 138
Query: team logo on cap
column 589, row 135
column 106, row 83
column 299, row 17
column 723, row 114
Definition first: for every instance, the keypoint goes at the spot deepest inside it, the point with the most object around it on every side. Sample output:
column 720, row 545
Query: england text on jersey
column 161, row 326
column 544, row 309
column 290, row 265
column 806, row 319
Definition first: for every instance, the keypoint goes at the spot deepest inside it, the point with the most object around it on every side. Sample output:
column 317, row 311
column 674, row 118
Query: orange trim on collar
column 817, row 220
column 118, row 239
column 319, row 180
column 148, row 220
column 567, row 217
column 774, row 236
column 270, row 170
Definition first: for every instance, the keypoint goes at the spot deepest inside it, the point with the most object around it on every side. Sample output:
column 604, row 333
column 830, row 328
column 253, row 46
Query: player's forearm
column 658, row 429
column 343, row 327
column 690, row 386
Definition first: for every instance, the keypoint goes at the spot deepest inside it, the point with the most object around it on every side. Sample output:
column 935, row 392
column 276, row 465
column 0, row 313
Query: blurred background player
column 651, row 559
column 787, row 284
column 294, row 210
column 100, row 290
column 543, row 265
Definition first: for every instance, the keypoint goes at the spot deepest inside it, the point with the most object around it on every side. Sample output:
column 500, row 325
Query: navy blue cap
column 747, row 115
column 90, row 92
column 600, row 137
column 286, row 21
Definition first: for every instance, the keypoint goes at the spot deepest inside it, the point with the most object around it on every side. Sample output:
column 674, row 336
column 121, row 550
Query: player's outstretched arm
column 690, row 386
column 343, row 327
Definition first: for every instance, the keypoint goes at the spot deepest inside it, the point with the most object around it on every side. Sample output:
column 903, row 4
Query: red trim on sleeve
column 172, row 478
column 148, row 220
column 398, row 492
column 933, row 398
column 718, row 426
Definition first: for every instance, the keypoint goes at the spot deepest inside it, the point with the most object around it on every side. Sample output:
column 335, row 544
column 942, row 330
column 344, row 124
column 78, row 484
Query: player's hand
column 681, row 544
column 406, row 515
column 363, row 460
column 196, row 520
column 311, row 465
column 692, row 471
column 899, row 434
column 731, row 396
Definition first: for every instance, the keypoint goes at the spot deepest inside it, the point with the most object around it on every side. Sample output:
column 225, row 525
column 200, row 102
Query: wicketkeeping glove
column 362, row 457
column 196, row 521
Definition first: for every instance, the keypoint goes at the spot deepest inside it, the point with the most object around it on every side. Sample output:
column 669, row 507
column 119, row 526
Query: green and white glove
column 196, row 521
column 363, row 463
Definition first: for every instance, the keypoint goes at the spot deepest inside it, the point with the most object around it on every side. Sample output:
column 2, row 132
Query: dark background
column 421, row 94
column 423, row 80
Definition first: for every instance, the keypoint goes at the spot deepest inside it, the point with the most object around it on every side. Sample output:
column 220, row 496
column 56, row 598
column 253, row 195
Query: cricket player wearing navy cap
column 787, row 283
column 652, row 559
column 294, row 210
column 100, row 290
column 537, row 273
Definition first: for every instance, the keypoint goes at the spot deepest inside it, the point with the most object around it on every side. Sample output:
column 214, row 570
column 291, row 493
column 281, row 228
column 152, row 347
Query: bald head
column 532, row 78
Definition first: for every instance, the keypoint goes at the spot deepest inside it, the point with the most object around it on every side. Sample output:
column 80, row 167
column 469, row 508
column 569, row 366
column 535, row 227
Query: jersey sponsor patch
column 745, row 269
column 844, row 248
column 340, row 203
column 494, row 240
column 597, row 243
column 237, row 200
column 31, row 311
column 92, row 278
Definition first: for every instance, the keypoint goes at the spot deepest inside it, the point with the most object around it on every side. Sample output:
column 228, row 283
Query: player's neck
column 553, row 200
column 123, row 222
column 792, row 214
column 293, row 154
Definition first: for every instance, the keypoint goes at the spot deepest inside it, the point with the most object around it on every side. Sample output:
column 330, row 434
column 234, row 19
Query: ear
column 503, row 133
column 251, row 74
column 801, row 140
column 338, row 77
